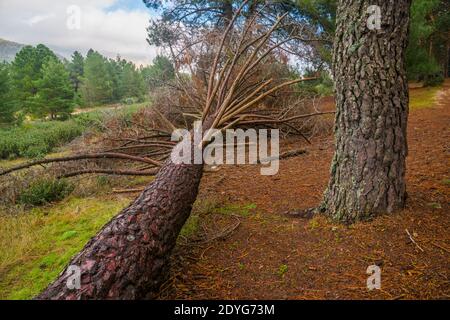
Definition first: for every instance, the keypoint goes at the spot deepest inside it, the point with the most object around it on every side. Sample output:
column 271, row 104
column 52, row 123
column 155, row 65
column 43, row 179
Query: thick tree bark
column 368, row 168
column 128, row 258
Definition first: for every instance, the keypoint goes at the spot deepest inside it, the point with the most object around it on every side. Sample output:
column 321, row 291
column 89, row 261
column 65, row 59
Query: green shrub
column 323, row 86
column 324, row 90
column 45, row 191
column 129, row 101
column 422, row 68
column 433, row 80
column 38, row 139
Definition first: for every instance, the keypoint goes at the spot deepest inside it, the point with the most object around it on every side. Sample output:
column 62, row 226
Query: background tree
column 441, row 38
column 159, row 73
column 429, row 44
column 76, row 70
column 427, row 55
column 368, row 168
column 7, row 109
column 26, row 70
column 97, row 85
column 55, row 93
column 114, row 68
column 310, row 21
column 95, row 80
column 321, row 14
column 131, row 82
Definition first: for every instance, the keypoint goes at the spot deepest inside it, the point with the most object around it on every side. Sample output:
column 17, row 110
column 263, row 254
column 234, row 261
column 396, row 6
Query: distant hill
column 9, row 49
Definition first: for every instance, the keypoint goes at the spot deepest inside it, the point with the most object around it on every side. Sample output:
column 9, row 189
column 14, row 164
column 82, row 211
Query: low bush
column 433, row 80
column 37, row 139
column 44, row 191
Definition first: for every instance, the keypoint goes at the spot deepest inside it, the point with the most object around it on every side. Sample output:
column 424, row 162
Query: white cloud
column 111, row 32
column 38, row 18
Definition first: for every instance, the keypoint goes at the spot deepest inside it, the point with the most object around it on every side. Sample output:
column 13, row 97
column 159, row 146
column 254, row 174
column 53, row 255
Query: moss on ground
column 423, row 97
column 244, row 210
column 206, row 206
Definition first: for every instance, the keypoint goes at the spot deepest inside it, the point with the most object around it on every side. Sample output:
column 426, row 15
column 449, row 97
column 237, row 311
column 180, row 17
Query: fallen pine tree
column 129, row 257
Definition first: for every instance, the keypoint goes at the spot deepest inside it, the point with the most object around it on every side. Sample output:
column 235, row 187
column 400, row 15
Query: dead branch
column 292, row 154
column 413, row 241
column 279, row 121
column 142, row 146
column 121, row 191
column 81, row 157
column 108, row 172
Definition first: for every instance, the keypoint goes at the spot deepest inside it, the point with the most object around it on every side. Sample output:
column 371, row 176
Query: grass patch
column 282, row 270
column 205, row 207
column 191, row 226
column 314, row 223
column 237, row 209
column 435, row 205
column 423, row 97
column 37, row 244
column 96, row 116
column 9, row 163
column 136, row 181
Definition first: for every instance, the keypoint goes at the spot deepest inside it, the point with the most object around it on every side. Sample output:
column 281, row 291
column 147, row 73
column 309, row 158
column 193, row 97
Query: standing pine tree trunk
column 368, row 168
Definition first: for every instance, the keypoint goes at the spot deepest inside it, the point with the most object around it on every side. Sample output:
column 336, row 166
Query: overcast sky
column 111, row 27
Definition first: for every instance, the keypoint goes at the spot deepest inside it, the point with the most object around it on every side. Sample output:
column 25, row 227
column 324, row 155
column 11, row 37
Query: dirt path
column 271, row 256
column 114, row 107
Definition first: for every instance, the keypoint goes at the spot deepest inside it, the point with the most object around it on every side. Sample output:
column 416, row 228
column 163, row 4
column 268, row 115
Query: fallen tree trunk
column 128, row 258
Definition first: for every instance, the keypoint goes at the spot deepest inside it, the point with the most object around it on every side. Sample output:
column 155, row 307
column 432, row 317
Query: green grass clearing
column 36, row 244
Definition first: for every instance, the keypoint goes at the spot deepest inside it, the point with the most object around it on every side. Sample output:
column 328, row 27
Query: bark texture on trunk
column 368, row 168
column 128, row 258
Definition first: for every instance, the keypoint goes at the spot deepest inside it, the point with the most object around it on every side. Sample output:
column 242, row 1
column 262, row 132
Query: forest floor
column 261, row 253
